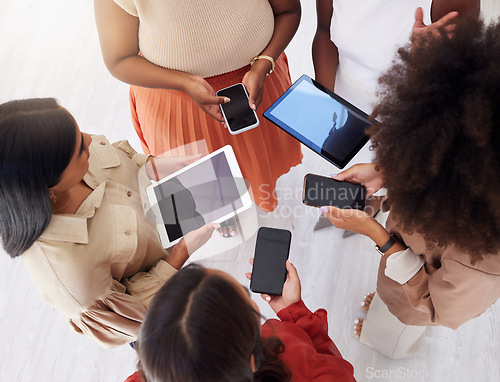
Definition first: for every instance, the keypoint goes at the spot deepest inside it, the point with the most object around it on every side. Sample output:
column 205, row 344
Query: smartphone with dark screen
column 324, row 191
column 237, row 113
column 269, row 262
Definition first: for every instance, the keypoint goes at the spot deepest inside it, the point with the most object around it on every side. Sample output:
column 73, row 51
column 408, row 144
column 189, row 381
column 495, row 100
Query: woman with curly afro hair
column 438, row 155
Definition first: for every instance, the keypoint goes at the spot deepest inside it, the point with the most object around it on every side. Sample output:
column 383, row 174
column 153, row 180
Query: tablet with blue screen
column 321, row 120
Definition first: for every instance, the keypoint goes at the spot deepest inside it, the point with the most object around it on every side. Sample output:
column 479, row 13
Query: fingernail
column 254, row 107
column 216, row 226
column 232, row 233
column 324, row 209
column 333, row 175
column 268, row 298
column 226, row 100
column 356, row 321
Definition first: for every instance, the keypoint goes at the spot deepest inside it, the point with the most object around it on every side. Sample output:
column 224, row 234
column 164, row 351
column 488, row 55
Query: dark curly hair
column 438, row 141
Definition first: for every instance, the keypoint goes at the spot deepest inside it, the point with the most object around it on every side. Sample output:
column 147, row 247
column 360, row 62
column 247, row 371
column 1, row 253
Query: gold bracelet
column 269, row 58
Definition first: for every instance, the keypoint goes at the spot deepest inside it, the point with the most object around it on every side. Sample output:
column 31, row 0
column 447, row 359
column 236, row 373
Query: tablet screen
column 202, row 194
column 321, row 120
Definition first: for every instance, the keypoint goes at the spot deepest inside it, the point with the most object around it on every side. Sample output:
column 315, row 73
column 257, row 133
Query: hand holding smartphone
column 238, row 115
column 323, row 191
column 269, row 264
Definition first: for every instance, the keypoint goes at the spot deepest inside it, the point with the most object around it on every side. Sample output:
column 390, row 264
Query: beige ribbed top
column 204, row 37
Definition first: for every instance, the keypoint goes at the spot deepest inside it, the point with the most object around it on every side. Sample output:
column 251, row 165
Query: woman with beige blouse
column 71, row 209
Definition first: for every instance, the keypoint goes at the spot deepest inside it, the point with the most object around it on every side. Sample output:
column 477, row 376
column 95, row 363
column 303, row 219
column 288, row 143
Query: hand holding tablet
column 209, row 190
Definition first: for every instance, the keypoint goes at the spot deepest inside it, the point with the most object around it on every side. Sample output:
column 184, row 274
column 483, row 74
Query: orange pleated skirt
column 166, row 119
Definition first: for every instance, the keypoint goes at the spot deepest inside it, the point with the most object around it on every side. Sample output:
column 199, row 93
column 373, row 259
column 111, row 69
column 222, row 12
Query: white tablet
column 209, row 190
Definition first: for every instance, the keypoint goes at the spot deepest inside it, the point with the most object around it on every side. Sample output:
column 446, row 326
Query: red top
column 136, row 377
column 309, row 353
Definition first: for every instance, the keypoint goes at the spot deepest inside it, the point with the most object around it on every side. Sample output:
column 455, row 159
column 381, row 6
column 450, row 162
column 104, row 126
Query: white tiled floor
column 51, row 49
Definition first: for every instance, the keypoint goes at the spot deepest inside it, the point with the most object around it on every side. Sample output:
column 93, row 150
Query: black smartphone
column 237, row 113
column 324, row 191
column 269, row 262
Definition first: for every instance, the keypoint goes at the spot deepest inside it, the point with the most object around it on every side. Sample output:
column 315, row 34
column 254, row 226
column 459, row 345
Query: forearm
column 179, row 255
column 380, row 236
column 136, row 70
column 325, row 59
column 463, row 7
column 324, row 52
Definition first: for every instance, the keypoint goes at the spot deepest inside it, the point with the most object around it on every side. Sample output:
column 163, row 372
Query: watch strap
column 388, row 245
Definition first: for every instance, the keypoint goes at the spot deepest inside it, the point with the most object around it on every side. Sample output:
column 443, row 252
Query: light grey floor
column 51, row 49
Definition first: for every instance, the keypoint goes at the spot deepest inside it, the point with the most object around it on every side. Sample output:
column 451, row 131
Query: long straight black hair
column 199, row 327
column 37, row 141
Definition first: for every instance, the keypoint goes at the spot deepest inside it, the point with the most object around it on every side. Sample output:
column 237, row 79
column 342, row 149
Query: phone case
column 249, row 127
column 360, row 204
column 269, row 270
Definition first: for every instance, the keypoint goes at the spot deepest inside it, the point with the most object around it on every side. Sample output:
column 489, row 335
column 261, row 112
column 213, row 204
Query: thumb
column 332, row 212
column 212, row 227
column 252, row 102
column 344, row 174
column 188, row 159
column 350, row 173
column 292, row 271
column 419, row 18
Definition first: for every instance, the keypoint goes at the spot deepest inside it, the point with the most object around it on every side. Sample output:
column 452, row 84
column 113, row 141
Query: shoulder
column 102, row 153
column 129, row 6
column 489, row 265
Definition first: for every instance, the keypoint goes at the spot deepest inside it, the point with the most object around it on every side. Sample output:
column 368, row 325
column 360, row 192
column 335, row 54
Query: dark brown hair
column 37, row 140
column 200, row 328
column 438, row 144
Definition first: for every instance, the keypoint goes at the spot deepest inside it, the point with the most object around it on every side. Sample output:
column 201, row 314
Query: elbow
column 118, row 67
column 113, row 67
column 449, row 322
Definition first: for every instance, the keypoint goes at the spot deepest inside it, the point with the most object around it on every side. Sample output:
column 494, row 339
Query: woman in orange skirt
column 188, row 51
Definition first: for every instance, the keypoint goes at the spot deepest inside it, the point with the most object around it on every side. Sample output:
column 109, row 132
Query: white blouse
column 367, row 34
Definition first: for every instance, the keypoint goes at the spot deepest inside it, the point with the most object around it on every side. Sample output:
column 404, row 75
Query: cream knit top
column 204, row 37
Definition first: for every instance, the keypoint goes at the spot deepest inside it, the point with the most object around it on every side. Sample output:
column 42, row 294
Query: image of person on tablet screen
column 346, row 132
column 178, row 209
column 71, row 209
